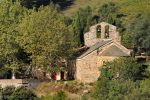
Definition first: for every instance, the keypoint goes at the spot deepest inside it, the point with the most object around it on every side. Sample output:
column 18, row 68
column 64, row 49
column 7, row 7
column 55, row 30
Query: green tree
column 117, row 82
column 22, row 93
column 46, row 37
column 140, row 31
column 10, row 16
column 123, row 69
column 101, row 88
column 62, row 4
column 4, row 73
column 7, row 92
column 34, row 3
column 81, row 23
column 127, row 40
column 108, row 12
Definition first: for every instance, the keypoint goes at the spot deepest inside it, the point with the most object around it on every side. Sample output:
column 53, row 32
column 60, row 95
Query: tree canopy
column 81, row 23
column 120, row 80
column 123, row 69
column 45, row 37
column 140, row 31
column 10, row 16
column 28, row 36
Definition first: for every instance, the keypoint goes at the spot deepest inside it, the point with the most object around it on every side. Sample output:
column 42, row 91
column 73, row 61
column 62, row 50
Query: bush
column 60, row 95
column 118, row 81
column 122, row 69
column 101, row 88
column 4, row 73
column 23, row 93
column 106, row 89
column 47, row 97
column 7, row 92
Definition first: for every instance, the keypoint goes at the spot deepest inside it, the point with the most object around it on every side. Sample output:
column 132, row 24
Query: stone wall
column 86, row 68
column 90, row 37
column 11, row 82
column 30, row 83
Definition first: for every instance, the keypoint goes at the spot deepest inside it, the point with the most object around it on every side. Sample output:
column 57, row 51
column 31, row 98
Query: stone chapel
column 104, row 44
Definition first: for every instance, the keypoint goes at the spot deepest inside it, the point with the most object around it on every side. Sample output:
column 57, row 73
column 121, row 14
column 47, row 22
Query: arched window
column 107, row 31
column 98, row 31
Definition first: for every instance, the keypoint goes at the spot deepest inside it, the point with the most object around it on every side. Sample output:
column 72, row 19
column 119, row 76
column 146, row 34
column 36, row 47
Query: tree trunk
column 13, row 74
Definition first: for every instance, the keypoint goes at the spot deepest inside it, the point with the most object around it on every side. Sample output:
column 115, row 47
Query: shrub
column 47, row 97
column 7, row 92
column 60, row 95
column 118, row 81
column 23, row 93
column 3, row 73
column 122, row 69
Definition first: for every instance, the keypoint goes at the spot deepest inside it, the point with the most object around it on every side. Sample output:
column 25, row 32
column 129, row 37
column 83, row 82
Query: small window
column 107, row 31
column 98, row 31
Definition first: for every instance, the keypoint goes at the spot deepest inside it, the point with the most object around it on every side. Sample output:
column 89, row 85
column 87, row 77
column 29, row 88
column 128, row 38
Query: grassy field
column 128, row 7
column 133, row 7
column 84, row 3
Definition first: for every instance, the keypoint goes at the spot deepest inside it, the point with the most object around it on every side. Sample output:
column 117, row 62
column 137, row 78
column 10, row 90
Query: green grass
column 128, row 7
column 148, row 63
column 84, row 3
column 133, row 7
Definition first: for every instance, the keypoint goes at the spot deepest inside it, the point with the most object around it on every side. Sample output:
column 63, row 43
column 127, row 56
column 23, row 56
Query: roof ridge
column 99, row 44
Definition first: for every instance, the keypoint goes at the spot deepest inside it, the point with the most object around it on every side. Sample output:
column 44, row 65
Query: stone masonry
column 101, row 49
column 91, row 39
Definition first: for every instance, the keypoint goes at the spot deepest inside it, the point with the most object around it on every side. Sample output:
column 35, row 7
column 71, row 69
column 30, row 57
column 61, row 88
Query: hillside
column 71, row 10
column 128, row 7
column 75, row 49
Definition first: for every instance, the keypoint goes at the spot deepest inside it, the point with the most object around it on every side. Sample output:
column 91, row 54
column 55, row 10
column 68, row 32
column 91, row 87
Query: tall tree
column 45, row 37
column 81, row 23
column 108, row 12
column 10, row 16
column 140, row 31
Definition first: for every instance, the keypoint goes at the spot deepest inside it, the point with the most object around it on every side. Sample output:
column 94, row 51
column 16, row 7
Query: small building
column 104, row 45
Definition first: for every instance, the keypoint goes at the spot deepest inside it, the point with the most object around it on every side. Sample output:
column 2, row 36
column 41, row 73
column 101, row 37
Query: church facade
column 104, row 44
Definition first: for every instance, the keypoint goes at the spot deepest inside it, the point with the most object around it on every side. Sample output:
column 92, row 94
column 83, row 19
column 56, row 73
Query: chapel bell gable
column 100, row 31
